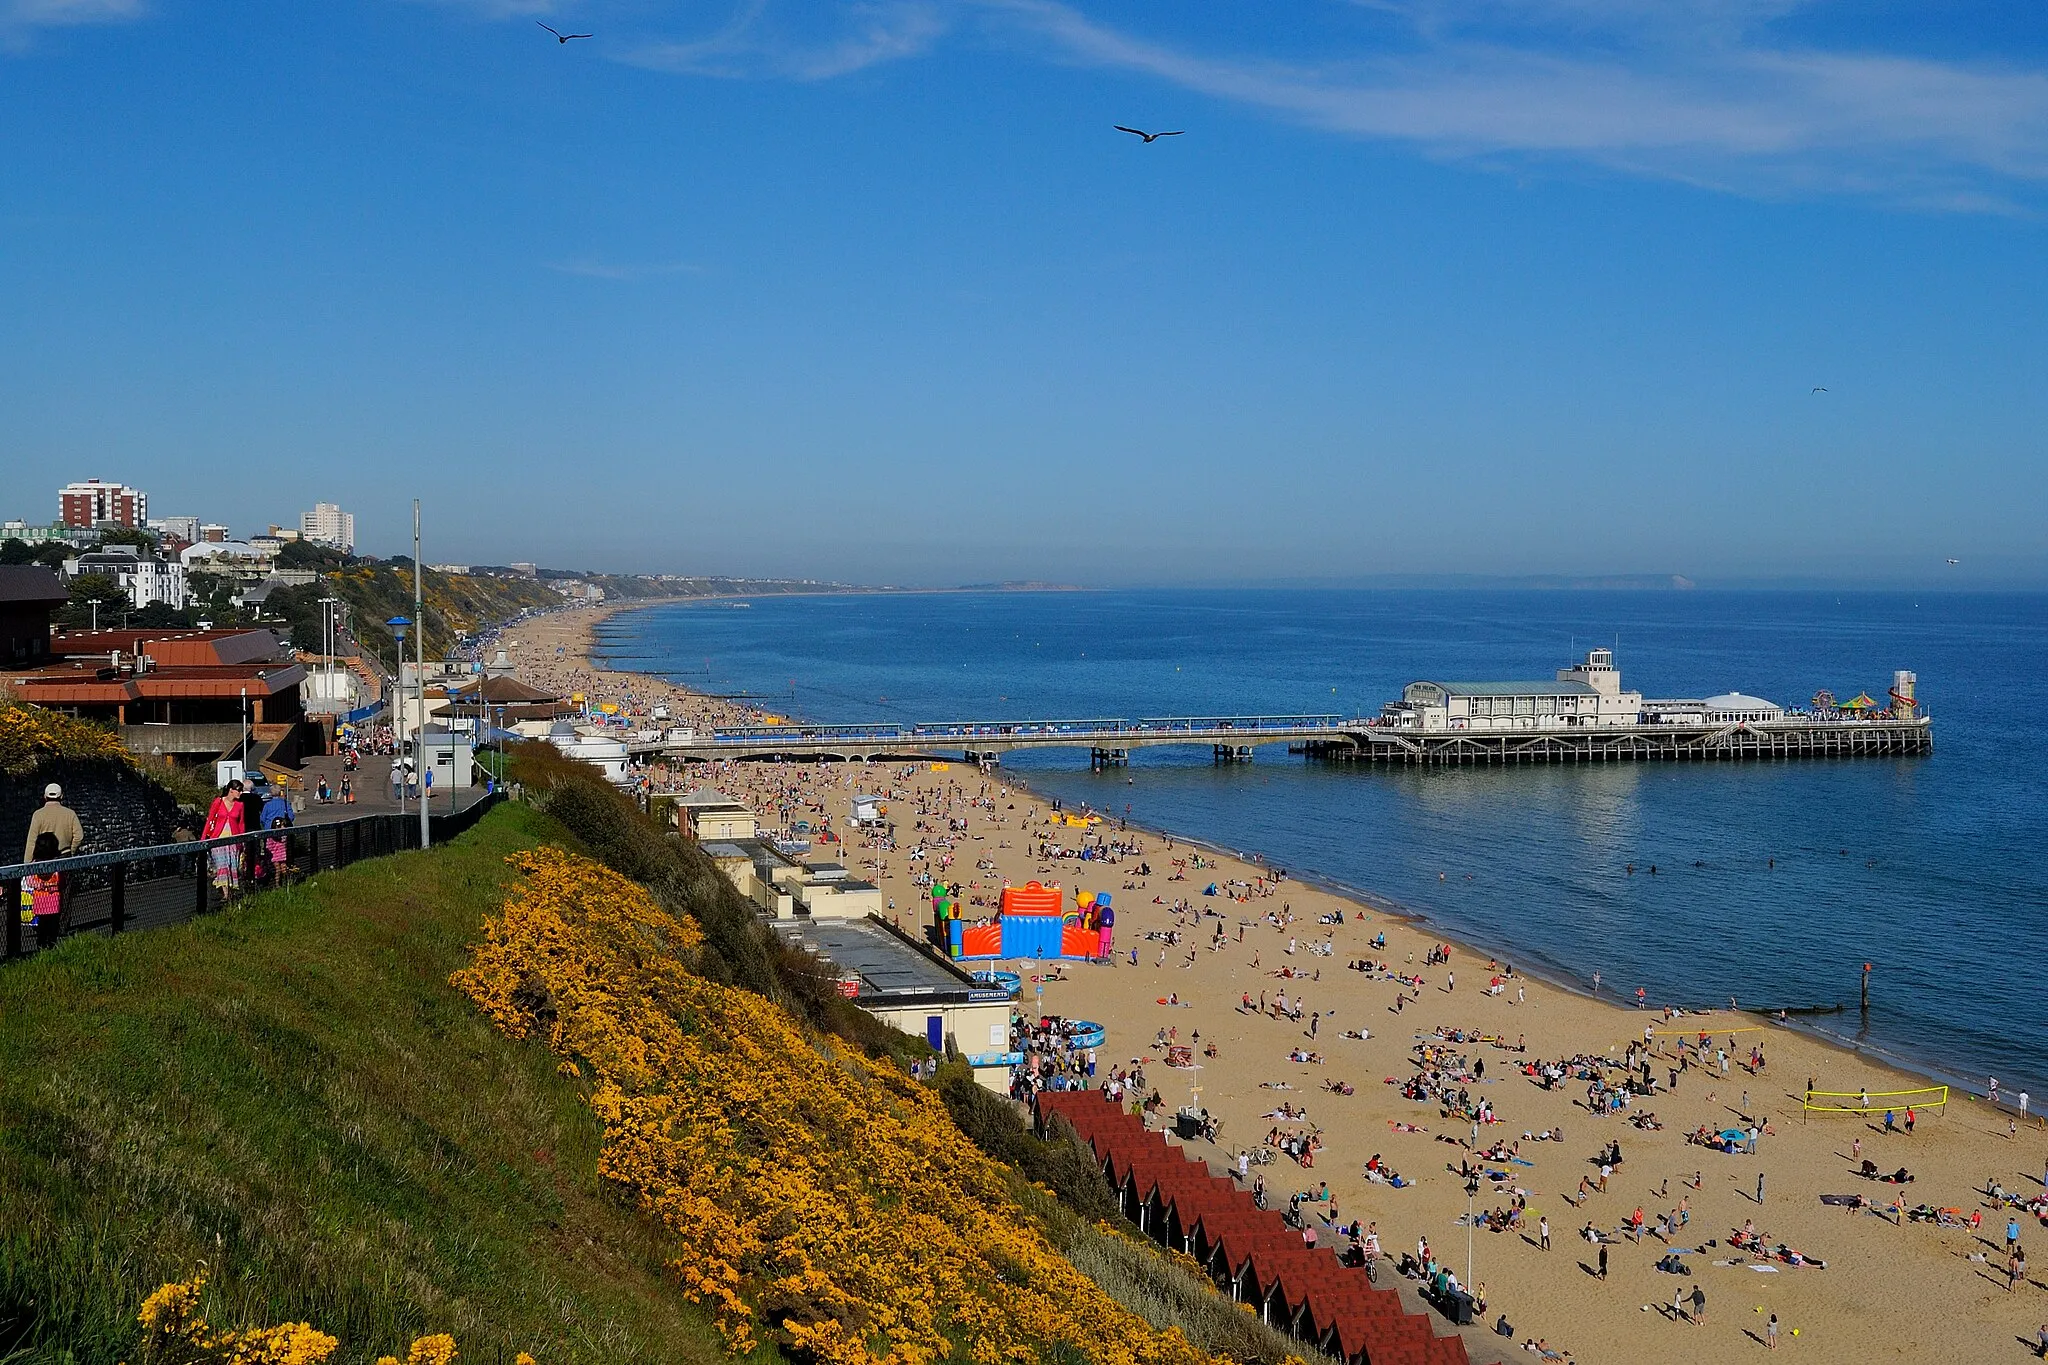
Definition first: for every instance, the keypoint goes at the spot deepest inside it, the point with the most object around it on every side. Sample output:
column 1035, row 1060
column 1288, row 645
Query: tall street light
column 1471, row 1189
column 399, row 626
column 419, row 656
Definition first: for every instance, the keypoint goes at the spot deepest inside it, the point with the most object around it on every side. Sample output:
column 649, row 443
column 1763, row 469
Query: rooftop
column 709, row 798
column 1547, row 687
column 31, row 585
column 1740, row 701
column 889, row 967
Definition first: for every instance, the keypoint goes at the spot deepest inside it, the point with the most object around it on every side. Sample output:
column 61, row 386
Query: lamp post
column 1471, row 1189
column 399, row 625
column 419, row 658
column 330, row 633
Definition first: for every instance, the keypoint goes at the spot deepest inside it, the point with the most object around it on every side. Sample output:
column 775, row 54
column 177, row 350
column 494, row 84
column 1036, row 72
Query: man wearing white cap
column 54, row 817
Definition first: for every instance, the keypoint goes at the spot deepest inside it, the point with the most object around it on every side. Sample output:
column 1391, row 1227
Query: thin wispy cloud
column 1705, row 92
column 593, row 268
column 758, row 41
column 1687, row 91
column 20, row 19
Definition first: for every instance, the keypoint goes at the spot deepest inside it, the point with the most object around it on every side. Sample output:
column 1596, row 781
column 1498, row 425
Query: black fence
column 145, row 888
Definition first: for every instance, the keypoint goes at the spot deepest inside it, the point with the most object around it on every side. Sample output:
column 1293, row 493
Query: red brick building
column 87, row 504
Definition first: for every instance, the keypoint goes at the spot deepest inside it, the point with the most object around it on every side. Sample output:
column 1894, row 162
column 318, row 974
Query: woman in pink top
column 223, row 818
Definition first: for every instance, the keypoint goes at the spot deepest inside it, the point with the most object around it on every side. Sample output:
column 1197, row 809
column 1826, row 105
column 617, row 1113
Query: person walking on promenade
column 53, row 817
column 42, row 894
column 223, row 818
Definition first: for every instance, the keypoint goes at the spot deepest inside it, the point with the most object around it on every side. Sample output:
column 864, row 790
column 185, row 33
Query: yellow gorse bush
column 29, row 735
column 175, row 1332
column 824, row 1199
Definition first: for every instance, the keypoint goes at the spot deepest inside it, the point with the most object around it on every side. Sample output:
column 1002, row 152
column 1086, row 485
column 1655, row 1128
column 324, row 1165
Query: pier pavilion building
column 1587, row 694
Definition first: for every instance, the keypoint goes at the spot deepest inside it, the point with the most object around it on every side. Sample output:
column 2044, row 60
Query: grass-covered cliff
column 291, row 1094
column 294, row 1098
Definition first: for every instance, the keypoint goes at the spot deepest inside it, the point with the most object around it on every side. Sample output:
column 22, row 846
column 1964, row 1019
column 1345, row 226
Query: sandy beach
column 1888, row 1289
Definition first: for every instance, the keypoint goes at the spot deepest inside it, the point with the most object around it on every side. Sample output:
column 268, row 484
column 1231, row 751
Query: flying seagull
column 1149, row 137
column 1955, row 561
column 565, row 37
column 1818, row 389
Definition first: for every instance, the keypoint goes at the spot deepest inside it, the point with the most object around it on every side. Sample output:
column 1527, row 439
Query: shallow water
column 1931, row 868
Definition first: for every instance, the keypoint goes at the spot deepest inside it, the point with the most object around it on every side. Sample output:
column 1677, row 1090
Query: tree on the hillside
column 304, row 554
column 298, row 610
column 54, row 553
column 158, row 616
column 211, row 597
column 102, row 589
column 130, row 535
column 14, row 551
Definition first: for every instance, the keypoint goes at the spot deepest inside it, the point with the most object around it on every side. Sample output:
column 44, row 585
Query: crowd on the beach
column 973, row 830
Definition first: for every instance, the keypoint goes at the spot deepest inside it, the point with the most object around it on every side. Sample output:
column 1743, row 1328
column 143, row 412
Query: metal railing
column 147, row 888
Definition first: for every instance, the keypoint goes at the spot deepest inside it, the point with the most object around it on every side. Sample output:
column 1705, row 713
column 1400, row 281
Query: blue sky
column 874, row 291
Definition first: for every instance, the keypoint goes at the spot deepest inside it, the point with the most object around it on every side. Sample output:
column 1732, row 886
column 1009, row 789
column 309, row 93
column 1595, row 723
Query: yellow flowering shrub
column 825, row 1200
column 30, row 735
column 175, row 1332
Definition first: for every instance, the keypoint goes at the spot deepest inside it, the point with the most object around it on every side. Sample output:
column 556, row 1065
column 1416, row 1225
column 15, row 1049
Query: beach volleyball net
column 1874, row 1101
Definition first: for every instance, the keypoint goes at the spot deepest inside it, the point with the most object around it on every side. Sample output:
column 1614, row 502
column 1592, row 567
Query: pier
column 1583, row 715
column 1782, row 739
column 1233, row 739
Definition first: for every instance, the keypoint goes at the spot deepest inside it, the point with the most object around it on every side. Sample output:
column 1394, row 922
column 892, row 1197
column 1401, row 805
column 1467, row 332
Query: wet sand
column 1887, row 1292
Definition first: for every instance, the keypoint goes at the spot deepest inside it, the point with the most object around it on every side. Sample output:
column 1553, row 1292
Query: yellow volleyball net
column 1874, row 1101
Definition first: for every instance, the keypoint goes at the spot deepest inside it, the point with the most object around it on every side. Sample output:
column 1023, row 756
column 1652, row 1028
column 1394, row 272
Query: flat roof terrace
column 892, row 970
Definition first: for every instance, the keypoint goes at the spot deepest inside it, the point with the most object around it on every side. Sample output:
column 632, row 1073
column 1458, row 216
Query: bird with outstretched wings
column 561, row 37
column 1149, row 137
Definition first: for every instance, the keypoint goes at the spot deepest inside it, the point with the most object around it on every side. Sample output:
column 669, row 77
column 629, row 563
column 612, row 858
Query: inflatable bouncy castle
column 1031, row 921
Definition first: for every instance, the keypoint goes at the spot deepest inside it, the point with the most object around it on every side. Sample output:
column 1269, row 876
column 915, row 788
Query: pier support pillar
column 1099, row 759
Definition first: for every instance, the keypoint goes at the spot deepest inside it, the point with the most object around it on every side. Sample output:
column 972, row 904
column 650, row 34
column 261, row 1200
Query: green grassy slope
column 290, row 1092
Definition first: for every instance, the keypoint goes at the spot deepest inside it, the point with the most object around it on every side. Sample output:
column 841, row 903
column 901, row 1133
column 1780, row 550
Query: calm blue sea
column 1932, row 868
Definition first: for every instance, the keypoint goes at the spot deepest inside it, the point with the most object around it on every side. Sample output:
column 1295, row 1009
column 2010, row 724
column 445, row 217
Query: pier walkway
column 1347, row 739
